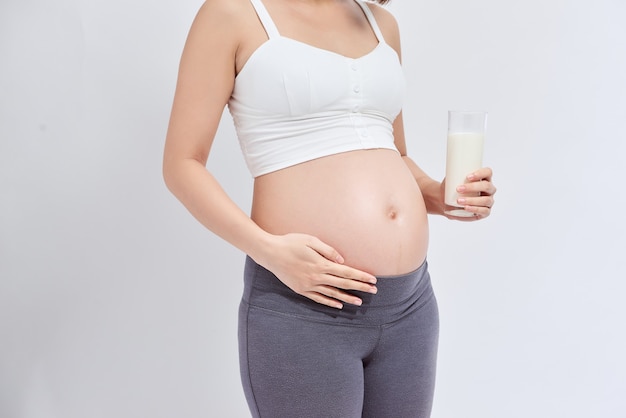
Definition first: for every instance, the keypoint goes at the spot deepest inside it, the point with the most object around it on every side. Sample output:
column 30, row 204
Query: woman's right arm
column 205, row 81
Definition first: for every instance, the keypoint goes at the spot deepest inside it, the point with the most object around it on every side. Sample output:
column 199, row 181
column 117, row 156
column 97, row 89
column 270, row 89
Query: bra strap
column 371, row 20
column 265, row 18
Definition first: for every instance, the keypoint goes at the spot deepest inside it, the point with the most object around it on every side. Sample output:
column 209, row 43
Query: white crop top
column 293, row 102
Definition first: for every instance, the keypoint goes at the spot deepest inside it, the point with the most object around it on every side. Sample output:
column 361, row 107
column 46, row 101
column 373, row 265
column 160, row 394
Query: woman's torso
column 364, row 203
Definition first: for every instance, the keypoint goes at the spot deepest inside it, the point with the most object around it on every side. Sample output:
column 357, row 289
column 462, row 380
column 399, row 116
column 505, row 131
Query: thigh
column 400, row 375
column 294, row 367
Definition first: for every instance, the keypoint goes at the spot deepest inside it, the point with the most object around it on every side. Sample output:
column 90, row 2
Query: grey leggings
column 301, row 359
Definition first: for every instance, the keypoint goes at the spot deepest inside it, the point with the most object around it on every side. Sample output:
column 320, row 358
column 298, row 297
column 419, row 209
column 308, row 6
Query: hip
column 397, row 296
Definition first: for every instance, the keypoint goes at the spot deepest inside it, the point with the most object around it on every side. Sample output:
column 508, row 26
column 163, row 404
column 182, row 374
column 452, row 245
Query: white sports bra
column 293, row 102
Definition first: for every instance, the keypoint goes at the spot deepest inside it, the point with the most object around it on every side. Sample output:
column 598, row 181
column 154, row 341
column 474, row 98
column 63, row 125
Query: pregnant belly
column 364, row 203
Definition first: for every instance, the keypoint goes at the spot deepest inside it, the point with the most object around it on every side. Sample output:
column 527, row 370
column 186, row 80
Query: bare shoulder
column 229, row 30
column 224, row 9
column 225, row 18
column 387, row 23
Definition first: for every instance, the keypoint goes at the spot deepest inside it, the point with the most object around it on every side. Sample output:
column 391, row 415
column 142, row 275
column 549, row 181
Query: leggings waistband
column 396, row 297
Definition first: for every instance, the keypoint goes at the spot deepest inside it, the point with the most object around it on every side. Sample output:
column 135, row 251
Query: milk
column 464, row 156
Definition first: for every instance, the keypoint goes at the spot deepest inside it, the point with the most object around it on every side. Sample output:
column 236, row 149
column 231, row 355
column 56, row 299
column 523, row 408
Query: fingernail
column 339, row 259
column 338, row 305
column 373, row 290
column 471, row 176
column 358, row 302
column 461, row 201
column 460, row 189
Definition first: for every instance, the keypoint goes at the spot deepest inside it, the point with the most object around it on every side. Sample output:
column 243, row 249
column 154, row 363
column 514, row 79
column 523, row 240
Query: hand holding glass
column 466, row 137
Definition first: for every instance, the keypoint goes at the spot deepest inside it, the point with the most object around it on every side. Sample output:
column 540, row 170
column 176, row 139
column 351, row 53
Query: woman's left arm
column 476, row 194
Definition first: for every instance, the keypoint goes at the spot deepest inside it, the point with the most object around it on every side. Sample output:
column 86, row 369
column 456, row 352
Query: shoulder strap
column 371, row 20
column 265, row 18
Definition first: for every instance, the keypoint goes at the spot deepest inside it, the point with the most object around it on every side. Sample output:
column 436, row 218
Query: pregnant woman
column 338, row 318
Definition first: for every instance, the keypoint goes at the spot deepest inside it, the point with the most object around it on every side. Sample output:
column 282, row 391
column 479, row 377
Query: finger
column 482, row 201
column 325, row 250
column 484, row 173
column 333, row 293
column 483, row 187
column 323, row 300
column 350, row 273
column 348, row 284
column 478, row 211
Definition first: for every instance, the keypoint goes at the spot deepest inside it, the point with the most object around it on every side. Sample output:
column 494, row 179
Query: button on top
column 356, row 89
column 355, row 108
column 353, row 66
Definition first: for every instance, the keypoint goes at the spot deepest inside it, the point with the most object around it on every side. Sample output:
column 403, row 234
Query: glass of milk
column 466, row 136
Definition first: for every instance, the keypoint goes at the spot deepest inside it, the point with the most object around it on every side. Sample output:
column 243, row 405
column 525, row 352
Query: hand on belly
column 315, row 270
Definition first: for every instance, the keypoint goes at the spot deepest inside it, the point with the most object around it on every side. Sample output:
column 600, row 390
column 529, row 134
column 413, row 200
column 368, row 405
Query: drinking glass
column 466, row 138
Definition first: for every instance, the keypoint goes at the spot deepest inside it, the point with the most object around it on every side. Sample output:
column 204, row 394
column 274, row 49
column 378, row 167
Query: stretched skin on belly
column 366, row 204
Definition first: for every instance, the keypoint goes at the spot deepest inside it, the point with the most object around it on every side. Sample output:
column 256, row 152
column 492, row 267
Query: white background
column 114, row 302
